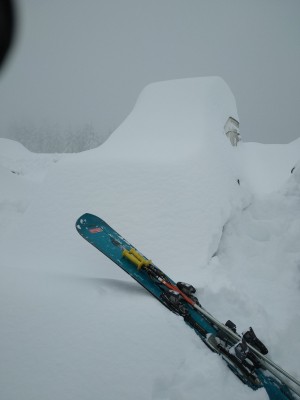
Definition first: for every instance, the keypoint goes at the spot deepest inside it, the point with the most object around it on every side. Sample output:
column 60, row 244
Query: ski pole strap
column 136, row 258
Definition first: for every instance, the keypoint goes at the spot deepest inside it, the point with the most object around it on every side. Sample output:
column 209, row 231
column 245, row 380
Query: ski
column 245, row 355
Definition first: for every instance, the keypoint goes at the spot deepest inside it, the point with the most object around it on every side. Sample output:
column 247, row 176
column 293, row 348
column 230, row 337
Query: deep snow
column 73, row 326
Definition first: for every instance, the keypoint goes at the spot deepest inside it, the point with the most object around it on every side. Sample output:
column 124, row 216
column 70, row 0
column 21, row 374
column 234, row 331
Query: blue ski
column 244, row 355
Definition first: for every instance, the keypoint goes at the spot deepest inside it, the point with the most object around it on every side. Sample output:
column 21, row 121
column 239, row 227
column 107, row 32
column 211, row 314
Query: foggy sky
column 86, row 61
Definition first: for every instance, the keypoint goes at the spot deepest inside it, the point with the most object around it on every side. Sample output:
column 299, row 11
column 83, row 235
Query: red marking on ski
column 95, row 230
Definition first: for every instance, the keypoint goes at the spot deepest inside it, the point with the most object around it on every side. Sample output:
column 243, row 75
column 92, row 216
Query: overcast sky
column 86, row 61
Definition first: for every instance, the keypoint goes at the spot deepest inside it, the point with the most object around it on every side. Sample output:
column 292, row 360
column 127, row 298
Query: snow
column 263, row 165
column 74, row 326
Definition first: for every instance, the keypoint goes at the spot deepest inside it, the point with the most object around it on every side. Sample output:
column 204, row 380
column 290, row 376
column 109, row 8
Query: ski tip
column 82, row 221
column 88, row 219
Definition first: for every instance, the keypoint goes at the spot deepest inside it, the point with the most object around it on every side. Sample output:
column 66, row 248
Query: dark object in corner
column 7, row 28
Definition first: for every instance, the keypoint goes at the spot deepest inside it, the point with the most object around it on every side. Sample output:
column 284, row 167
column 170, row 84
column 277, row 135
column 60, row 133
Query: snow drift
column 73, row 325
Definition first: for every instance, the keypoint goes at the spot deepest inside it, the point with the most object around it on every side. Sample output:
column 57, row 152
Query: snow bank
column 256, row 271
column 266, row 167
column 17, row 159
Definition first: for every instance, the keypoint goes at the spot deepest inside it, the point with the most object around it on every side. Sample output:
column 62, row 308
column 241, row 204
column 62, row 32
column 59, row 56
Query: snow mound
column 266, row 167
column 176, row 119
column 17, row 159
column 168, row 172
column 11, row 147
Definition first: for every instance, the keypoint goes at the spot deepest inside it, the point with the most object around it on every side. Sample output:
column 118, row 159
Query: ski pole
column 261, row 356
column 235, row 336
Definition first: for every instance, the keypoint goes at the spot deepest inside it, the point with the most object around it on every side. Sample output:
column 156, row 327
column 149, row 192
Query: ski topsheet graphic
column 244, row 354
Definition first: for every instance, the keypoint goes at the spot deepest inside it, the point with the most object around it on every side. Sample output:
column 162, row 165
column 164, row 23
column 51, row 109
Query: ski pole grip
column 143, row 261
column 136, row 258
